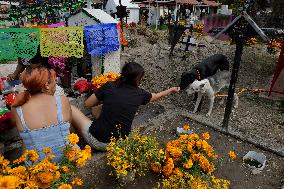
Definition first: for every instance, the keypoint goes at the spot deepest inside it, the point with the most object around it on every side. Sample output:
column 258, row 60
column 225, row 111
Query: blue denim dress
column 53, row 136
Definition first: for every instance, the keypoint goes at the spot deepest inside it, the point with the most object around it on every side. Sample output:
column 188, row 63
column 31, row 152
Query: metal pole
column 157, row 16
column 176, row 13
column 234, row 77
column 121, row 23
column 149, row 14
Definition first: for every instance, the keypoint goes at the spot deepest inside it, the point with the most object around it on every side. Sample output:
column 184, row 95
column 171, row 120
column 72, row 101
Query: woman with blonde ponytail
column 42, row 119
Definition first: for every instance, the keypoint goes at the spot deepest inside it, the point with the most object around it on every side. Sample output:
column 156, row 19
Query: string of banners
column 58, row 41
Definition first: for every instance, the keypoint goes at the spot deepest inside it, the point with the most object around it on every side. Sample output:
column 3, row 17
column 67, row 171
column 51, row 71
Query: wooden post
column 234, row 77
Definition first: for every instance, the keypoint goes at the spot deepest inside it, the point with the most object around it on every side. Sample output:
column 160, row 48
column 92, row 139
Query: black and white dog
column 210, row 87
column 206, row 68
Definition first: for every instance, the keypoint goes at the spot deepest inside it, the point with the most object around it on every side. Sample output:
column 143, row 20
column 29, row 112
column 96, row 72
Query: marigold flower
column 198, row 144
column 73, row 139
column 4, row 162
column 47, row 150
column 45, row 177
column 232, row 155
column 178, row 172
column 65, row 168
column 156, row 167
column 77, row 181
column 195, row 157
column 65, row 186
column 168, row 168
column 32, row 155
column 9, row 182
column 186, row 127
column 188, row 164
column 205, row 136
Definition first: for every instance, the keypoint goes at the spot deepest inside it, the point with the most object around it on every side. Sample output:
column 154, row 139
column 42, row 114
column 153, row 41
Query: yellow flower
column 205, row 136
column 77, row 181
column 156, row 167
column 73, row 139
column 9, row 182
column 188, row 164
column 32, row 155
column 65, row 168
column 186, row 127
column 65, row 186
column 47, row 150
column 178, row 172
column 198, row 144
column 232, row 155
column 3, row 161
column 45, row 177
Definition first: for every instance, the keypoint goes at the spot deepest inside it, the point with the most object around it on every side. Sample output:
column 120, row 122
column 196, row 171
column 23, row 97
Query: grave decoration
column 18, row 43
column 82, row 85
column 189, row 163
column 64, row 42
column 101, row 39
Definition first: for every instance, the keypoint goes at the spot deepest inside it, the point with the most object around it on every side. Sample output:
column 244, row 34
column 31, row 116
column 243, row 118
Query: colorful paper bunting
column 65, row 42
column 18, row 43
column 101, row 39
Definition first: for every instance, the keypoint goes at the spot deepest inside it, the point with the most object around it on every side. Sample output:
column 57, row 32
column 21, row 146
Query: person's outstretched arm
column 19, row 69
column 158, row 96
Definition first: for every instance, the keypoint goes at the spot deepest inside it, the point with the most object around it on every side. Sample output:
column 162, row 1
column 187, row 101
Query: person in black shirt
column 120, row 101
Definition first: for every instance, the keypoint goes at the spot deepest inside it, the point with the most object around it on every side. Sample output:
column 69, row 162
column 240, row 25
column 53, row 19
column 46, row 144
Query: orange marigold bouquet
column 190, row 163
column 251, row 41
column 44, row 173
column 198, row 28
column 99, row 81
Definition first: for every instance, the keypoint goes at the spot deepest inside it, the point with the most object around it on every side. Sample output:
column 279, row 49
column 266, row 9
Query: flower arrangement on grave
column 198, row 28
column 134, row 155
column 273, row 46
column 181, row 23
column 44, row 173
column 251, row 41
column 190, row 163
column 99, row 81
column 132, row 25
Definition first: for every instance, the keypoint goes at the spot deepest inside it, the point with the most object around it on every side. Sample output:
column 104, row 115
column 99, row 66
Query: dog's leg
column 211, row 102
column 195, row 98
column 197, row 102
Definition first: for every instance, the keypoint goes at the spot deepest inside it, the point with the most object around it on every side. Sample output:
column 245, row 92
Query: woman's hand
column 157, row 96
column 175, row 89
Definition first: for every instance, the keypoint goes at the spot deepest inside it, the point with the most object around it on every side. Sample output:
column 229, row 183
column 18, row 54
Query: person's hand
column 175, row 89
column 11, row 77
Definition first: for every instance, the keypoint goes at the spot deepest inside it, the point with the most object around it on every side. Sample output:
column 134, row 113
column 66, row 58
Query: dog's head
column 186, row 79
column 196, row 86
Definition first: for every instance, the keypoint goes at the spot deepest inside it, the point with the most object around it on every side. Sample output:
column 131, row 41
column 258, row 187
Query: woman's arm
column 158, row 96
column 19, row 69
column 92, row 101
